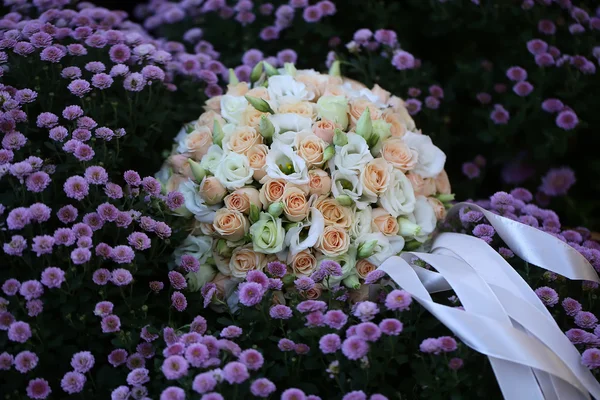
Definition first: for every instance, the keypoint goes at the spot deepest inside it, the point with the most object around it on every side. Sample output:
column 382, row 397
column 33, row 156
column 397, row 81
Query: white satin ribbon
column 503, row 318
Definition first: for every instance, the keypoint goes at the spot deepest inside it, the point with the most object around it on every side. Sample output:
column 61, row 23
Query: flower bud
column 340, row 138
column 408, row 228
column 266, row 127
column 328, row 153
column 445, row 198
column 218, row 134
column 269, row 69
column 344, row 200
column 335, row 70
column 222, row 249
column 260, row 104
column 366, row 249
column 233, row 80
column 144, row 308
column 254, row 213
column 256, row 72
column 275, row 209
column 290, row 69
column 364, row 126
column 198, row 172
column 288, row 279
column 412, row 245
column 352, row 282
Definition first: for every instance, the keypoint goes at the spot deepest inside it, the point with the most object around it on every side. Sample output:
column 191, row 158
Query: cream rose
column 399, row 155
column 397, row 127
column 242, row 139
column 382, row 94
column 383, row 222
column 271, row 191
column 358, row 106
column 375, row 178
column 399, row 108
column 208, row 119
column 438, row 208
column 234, row 171
column 334, row 241
column 303, row 263
column 260, row 92
column 244, row 260
column 295, row 205
column 196, row 143
column 213, row 104
column 302, row 108
column 325, row 130
column 212, row 191
column 174, row 181
column 241, row 199
column 363, row 267
column 335, row 109
column 230, row 224
column 319, row 183
column 334, row 90
column 180, row 165
column 310, row 148
column 238, row 89
column 314, row 293
column 333, row 213
column 252, row 116
column 257, row 156
column 442, row 183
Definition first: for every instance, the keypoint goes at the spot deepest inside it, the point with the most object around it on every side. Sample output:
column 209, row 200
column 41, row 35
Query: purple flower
column 293, row 394
column 286, row 345
column 586, row 320
column 122, row 254
column 38, row 389
column 204, row 382
column 447, row 344
column 262, row 387
column 482, row 230
column 34, row 307
column 432, row 103
column 47, row 120
column 11, row 286
column 179, row 301
column 81, row 255
column 172, row 393
column 571, row 306
column 500, row 116
column 39, row 212
column 103, row 309
column 403, row 60
column 134, row 82
column 18, row 218
column 101, row 276
column 398, row 300
column 315, row 318
column 413, row 106
column 251, row 293
column 355, row 395
column 544, row 60
column 42, row 245
column 591, row 358
column 277, row 269
column 523, row 88
column 567, row 120
column 37, row 182
column 138, row 377
column 52, row 54
column 252, row 359
column 16, row 246
column 430, row 345
column 312, row 14
column 355, row 348
column 546, row 27
column 82, row 362
column 280, row 311
column 25, row 361
column 197, row 354
column 301, row 349
column 386, row 37
column 330, row 343
column 552, row 105
column 73, row 382
column 455, row 363
column 537, row 46
column 79, row 87
column 31, row 289
column 558, row 181
column 335, row 319
column 151, row 186
column 548, row 296
column 391, row 326
column 368, row 331
column 6, row 361
column 117, row 357
column 110, row 323
column 119, row 53
column 76, row 187
column 96, row 175
column 177, row 280
column 121, row 277
column 304, row 283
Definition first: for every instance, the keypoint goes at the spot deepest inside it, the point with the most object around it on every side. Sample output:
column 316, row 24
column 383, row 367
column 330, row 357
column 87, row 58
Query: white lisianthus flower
column 353, row 156
column 334, row 109
column 383, row 246
column 431, row 158
column 347, row 182
column 234, row 171
column 316, row 222
column 284, row 88
column 233, row 107
column 196, row 246
column 399, row 198
column 424, row 216
column 180, row 137
column 212, row 158
column 354, row 94
column 283, row 163
column 287, row 125
column 194, row 203
column 362, row 222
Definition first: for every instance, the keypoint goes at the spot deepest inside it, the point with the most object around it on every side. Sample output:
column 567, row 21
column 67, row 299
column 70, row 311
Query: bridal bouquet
column 298, row 169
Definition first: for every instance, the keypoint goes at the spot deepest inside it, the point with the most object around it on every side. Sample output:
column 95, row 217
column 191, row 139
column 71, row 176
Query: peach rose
column 207, row 229
column 212, row 191
column 310, row 149
column 383, row 222
column 397, row 153
column 257, row 155
column 230, row 224
column 320, row 182
column 314, row 293
column 399, row 108
column 334, row 90
column 241, row 199
column 251, row 117
column 354, row 84
column 243, row 138
column 180, row 165
column 261, row 92
column 295, row 205
column 208, row 119
column 213, row 104
column 381, row 93
column 358, row 106
column 363, row 267
column 325, row 130
column 422, row 187
column 303, row 263
column 198, row 142
column 243, row 260
column 334, row 241
column 302, row 108
column 239, row 89
column 334, row 213
column 442, row 183
column 174, row 181
column 315, row 83
column 438, row 208
column 271, row 191
column 397, row 127
column 375, row 177
column 220, row 280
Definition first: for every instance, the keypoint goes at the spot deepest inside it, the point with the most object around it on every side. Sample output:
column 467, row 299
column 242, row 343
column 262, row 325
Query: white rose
column 283, row 163
column 385, row 247
column 212, row 158
column 431, row 159
column 234, row 171
column 284, row 88
column 347, row 182
column 316, row 222
column 424, row 216
column 196, row 246
column 194, row 203
column 287, row 125
column 353, row 156
column 233, row 107
column 361, row 224
column 399, row 198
